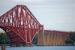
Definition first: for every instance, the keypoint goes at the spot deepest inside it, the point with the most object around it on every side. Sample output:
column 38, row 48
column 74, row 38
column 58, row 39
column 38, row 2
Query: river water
column 42, row 48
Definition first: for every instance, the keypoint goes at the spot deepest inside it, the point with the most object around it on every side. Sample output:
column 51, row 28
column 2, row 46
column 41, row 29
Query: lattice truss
column 20, row 24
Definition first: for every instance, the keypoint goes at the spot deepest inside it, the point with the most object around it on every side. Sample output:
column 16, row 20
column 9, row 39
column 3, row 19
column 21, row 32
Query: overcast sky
column 53, row 14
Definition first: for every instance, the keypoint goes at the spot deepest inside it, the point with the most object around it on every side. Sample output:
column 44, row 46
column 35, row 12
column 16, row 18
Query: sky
column 52, row 14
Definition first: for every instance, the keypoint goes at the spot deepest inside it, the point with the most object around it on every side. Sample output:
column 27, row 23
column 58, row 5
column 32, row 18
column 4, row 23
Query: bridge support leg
column 3, row 47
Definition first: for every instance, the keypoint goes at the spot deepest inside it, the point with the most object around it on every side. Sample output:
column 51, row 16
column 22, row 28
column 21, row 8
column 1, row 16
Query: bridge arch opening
column 4, row 39
column 2, row 31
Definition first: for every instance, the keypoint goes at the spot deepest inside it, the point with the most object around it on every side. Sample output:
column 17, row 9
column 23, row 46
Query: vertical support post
column 40, row 37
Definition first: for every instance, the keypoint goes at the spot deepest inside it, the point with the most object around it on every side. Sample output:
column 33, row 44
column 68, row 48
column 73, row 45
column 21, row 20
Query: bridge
column 20, row 25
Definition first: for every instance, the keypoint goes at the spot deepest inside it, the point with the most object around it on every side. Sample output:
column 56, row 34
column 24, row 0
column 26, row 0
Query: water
column 42, row 48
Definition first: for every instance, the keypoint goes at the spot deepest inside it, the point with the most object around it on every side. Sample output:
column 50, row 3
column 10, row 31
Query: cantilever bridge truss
column 20, row 25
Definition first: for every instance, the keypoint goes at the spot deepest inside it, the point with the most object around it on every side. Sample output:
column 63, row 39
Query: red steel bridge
column 20, row 25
